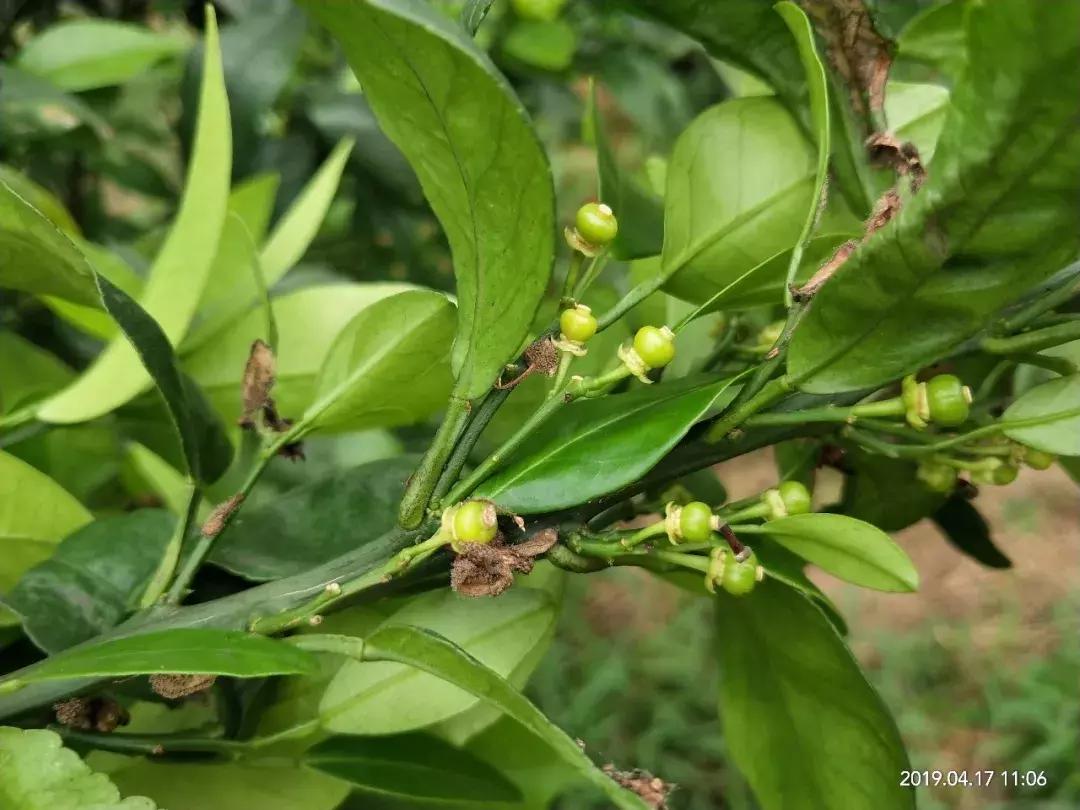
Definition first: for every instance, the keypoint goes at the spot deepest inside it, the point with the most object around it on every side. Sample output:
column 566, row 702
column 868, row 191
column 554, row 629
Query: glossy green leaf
column 847, row 548
column 35, row 514
column 95, row 320
column 179, row 272
column 431, row 652
column 936, row 38
column 740, row 182
column 235, row 283
column 473, row 14
column 38, row 773
column 41, row 198
column 388, row 367
column 294, row 232
column 746, row 33
column 181, row 651
column 996, row 216
column 917, row 113
column 230, row 786
column 1059, row 397
column 93, row 580
column 482, row 168
column 639, row 210
column 28, row 373
column 314, row 523
column 412, row 767
column 967, row 530
column 35, row 258
column 90, row 53
column 595, row 446
column 800, row 720
column 309, row 320
column 158, row 477
column 34, row 107
column 378, row 697
column 818, row 87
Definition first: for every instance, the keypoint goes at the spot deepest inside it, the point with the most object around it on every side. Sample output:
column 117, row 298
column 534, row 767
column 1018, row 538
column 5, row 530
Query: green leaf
column 1057, row 435
column 433, row 653
column 93, row 580
column 935, row 38
column 213, row 786
column 294, row 232
column 917, row 113
column 379, row 697
column 312, row 524
column 746, row 33
column 28, row 373
column 236, row 282
column 595, row 446
column 179, row 272
column 411, row 767
column 90, row 53
column 35, row 514
column 41, row 198
column 388, row 367
column 33, row 107
column 181, row 651
column 156, row 474
column 818, row 86
column 309, row 320
column 968, row 531
column 95, row 320
column 847, row 548
column 482, row 168
column 35, row 258
column 473, row 13
column 640, row 211
column 740, row 182
column 885, row 491
column 996, row 216
column 38, row 773
column 800, row 720
column 542, row 44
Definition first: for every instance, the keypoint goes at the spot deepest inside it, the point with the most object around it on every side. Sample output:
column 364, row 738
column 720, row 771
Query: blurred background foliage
column 631, row 669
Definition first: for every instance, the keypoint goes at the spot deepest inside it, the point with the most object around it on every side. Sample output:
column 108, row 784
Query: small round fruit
column 1038, row 459
column 740, row 578
column 596, row 224
column 540, row 10
column 949, row 400
column 796, row 497
column 695, row 522
column 475, row 522
column 655, row 347
column 578, row 323
column 1005, row 474
column 937, row 477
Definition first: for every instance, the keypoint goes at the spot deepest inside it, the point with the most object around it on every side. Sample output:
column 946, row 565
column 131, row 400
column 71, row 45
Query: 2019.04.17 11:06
column 982, row 778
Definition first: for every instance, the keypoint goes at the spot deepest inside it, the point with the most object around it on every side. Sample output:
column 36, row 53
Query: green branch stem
column 1033, row 341
column 829, row 413
column 422, row 485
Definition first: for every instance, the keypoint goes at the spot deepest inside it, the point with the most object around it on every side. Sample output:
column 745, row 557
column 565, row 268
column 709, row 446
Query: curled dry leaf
column 175, row 687
column 487, row 569
column 220, row 515
column 889, row 152
column 101, row 714
column 541, row 356
column 259, row 375
column 653, row 790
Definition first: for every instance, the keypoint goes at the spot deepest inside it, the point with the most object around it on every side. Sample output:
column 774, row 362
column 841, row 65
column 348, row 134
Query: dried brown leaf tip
column 101, row 714
column 259, row 375
column 487, row 569
column 220, row 515
column 825, row 272
column 653, row 790
column 860, row 55
column 175, row 687
column 889, row 152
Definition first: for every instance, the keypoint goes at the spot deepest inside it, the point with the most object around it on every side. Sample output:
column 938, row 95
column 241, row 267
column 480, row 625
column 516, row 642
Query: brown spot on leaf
column 825, row 272
column 653, row 790
column 175, row 687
